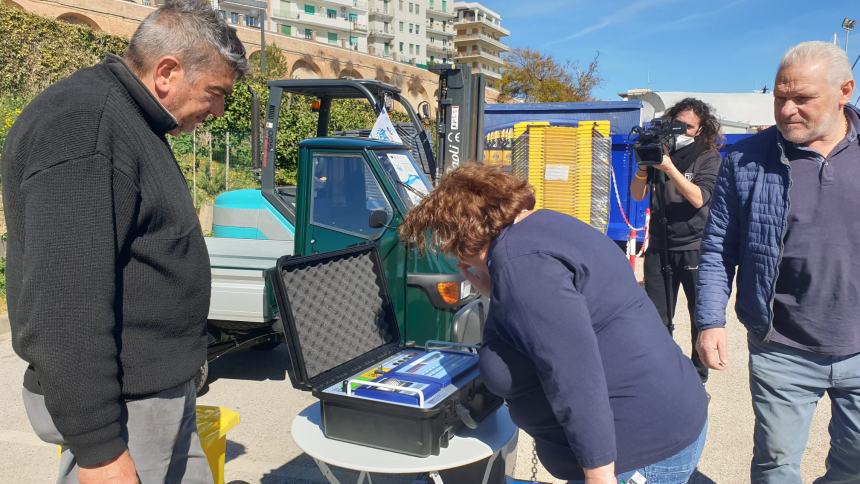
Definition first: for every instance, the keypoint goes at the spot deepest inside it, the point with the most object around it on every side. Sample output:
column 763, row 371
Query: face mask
column 683, row 140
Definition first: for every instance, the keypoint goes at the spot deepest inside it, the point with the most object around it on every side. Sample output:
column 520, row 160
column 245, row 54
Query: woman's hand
column 601, row 475
column 478, row 276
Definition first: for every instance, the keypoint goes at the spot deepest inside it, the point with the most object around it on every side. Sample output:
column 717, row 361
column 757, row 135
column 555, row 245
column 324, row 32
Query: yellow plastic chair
column 213, row 423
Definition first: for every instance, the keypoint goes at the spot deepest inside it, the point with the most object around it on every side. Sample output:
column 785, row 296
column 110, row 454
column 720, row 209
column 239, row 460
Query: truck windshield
column 406, row 176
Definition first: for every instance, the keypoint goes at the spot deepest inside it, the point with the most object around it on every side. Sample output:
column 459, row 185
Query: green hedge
column 35, row 51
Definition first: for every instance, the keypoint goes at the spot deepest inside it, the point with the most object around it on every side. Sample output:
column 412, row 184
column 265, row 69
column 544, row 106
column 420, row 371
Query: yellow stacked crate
column 537, row 134
column 562, row 171
column 560, row 168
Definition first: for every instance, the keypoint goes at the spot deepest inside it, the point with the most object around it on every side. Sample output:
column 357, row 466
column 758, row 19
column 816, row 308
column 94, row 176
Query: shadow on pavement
column 303, row 470
column 251, row 364
column 699, row 478
column 234, row 449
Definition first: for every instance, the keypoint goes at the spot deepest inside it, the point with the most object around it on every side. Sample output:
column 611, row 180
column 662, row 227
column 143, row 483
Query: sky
column 676, row 45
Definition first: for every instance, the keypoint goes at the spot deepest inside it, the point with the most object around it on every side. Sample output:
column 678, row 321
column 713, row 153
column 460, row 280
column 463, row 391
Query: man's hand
column 666, row 164
column 479, row 277
column 120, row 470
column 713, row 348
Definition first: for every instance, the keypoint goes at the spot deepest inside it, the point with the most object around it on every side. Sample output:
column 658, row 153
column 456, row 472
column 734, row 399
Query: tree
column 535, row 77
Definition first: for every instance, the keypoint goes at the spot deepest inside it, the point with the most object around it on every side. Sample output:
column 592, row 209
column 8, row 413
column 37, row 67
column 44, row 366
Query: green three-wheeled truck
column 350, row 189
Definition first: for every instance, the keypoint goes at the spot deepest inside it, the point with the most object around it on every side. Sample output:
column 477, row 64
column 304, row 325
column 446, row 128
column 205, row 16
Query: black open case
column 339, row 322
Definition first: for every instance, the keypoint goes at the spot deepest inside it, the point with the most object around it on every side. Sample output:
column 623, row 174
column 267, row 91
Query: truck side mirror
column 378, row 219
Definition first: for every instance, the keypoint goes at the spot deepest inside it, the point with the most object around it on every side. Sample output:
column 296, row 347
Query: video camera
column 655, row 138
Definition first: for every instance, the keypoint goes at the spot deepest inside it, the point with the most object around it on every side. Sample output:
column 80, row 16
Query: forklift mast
column 459, row 116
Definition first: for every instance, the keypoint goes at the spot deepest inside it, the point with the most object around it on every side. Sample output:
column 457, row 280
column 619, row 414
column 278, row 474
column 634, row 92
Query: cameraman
column 683, row 182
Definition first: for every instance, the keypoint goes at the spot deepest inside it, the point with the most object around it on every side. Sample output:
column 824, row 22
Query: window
column 332, row 37
column 286, row 29
column 387, row 48
column 410, row 7
column 385, row 27
column 353, row 41
column 400, row 5
column 222, row 13
column 309, row 34
column 353, row 17
column 417, row 29
column 411, row 28
column 234, row 17
column 401, row 47
column 401, row 26
column 417, row 8
column 444, row 6
column 411, row 49
column 345, row 192
column 331, row 13
column 251, row 21
column 411, row 176
column 310, row 9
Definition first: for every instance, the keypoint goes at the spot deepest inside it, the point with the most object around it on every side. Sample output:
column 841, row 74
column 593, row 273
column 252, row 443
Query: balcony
column 485, row 39
column 445, row 50
column 373, row 50
column 382, row 13
column 477, row 56
column 381, row 33
column 344, row 44
column 481, row 22
column 436, row 11
column 243, row 3
column 436, row 28
column 349, row 4
column 320, row 19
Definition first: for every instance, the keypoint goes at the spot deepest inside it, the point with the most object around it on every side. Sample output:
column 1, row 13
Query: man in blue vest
column 784, row 215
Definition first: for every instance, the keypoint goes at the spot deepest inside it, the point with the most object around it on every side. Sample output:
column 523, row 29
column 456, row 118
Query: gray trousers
column 161, row 432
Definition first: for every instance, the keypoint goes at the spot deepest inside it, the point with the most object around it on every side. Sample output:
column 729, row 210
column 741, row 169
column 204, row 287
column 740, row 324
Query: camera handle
column 665, row 263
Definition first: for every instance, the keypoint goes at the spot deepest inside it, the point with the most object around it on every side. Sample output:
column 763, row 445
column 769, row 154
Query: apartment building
column 478, row 40
column 340, row 23
column 247, row 13
column 415, row 32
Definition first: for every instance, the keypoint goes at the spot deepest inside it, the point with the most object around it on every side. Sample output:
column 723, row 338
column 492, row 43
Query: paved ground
column 260, row 448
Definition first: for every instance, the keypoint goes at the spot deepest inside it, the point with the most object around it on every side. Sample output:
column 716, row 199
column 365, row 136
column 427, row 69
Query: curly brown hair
column 709, row 124
column 468, row 209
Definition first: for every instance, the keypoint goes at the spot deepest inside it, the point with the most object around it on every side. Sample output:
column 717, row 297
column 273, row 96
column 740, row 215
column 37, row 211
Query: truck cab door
column 344, row 192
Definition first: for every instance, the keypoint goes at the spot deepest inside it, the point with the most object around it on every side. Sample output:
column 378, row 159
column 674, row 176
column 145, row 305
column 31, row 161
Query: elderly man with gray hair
column 784, row 215
column 108, row 274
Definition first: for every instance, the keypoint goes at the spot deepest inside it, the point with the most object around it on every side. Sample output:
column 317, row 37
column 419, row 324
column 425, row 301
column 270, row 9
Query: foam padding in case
column 338, row 309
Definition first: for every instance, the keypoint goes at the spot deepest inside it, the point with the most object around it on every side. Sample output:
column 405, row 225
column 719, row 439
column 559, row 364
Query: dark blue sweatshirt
column 578, row 351
column 815, row 301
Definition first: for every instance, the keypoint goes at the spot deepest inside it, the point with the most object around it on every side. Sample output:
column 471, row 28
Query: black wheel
column 202, row 378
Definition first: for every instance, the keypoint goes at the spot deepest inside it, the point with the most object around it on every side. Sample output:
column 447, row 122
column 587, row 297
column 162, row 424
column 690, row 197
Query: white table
column 495, row 436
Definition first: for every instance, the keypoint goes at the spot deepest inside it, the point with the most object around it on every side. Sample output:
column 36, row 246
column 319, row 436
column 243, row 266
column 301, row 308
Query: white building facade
column 415, row 32
column 478, row 40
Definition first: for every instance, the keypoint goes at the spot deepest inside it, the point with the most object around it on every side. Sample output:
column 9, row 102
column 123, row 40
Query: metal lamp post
column 848, row 26
column 263, row 42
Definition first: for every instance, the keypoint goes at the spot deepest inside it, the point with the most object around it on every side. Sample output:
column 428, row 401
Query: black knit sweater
column 108, row 275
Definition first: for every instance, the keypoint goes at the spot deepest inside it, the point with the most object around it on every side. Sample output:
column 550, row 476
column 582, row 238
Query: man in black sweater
column 108, row 274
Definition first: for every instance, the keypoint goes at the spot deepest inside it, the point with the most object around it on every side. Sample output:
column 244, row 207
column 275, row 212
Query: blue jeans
column 676, row 469
column 786, row 385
